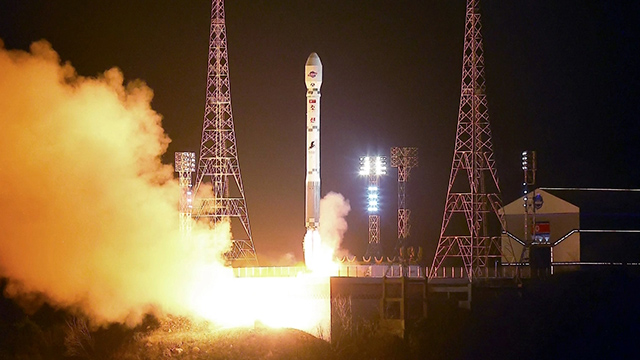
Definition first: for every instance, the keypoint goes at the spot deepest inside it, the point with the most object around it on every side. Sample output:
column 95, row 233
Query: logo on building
column 537, row 201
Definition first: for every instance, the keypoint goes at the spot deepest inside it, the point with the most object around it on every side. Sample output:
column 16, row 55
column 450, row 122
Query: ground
column 587, row 314
column 241, row 343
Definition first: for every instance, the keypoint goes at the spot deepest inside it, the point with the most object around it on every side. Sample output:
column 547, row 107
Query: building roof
column 547, row 204
column 606, row 218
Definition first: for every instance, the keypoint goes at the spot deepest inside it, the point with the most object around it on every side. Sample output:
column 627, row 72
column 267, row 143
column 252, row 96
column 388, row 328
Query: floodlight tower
column 373, row 167
column 472, row 202
column 185, row 165
column 403, row 158
column 218, row 160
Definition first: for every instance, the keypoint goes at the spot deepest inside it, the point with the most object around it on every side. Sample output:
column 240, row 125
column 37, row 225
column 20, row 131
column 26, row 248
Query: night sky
column 561, row 76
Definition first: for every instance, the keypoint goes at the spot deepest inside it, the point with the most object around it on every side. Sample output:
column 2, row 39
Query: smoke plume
column 88, row 213
column 333, row 210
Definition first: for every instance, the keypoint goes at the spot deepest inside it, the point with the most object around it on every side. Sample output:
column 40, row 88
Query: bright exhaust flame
column 300, row 302
column 90, row 217
column 318, row 256
column 320, row 245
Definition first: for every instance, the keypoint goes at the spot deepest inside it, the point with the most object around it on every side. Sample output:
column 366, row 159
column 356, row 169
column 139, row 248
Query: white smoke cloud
column 333, row 225
column 88, row 213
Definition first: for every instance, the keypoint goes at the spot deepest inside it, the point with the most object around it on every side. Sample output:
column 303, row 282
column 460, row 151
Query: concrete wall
column 392, row 303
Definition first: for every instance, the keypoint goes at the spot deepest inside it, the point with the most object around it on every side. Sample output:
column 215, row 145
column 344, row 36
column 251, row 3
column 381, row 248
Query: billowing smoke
column 88, row 211
column 333, row 210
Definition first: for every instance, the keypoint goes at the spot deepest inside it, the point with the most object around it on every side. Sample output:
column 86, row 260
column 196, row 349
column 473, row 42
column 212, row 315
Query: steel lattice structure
column 218, row 160
column 476, row 241
column 374, row 248
column 185, row 166
column 403, row 158
column 373, row 167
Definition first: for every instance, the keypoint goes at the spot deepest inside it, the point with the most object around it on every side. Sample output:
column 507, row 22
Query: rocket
column 313, row 81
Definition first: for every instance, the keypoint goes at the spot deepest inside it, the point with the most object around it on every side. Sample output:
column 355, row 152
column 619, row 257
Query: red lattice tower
column 472, row 224
column 218, row 162
column 403, row 158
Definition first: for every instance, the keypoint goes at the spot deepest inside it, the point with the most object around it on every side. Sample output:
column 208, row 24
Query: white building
column 553, row 227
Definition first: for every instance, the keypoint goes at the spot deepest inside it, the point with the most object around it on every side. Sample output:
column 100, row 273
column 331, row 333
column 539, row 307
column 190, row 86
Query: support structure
column 529, row 179
column 403, row 158
column 374, row 248
column 185, row 166
column 373, row 167
column 472, row 223
column 218, row 162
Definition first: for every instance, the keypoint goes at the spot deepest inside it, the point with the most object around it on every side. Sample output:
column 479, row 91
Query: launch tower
column 472, row 224
column 218, row 162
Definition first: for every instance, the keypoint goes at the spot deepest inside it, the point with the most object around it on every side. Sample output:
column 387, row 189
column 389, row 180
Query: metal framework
column 374, row 249
column 403, row 158
column 185, row 166
column 373, row 167
column 218, row 160
column 475, row 238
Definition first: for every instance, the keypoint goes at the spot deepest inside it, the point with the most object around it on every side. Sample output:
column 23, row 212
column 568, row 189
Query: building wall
column 392, row 303
column 562, row 217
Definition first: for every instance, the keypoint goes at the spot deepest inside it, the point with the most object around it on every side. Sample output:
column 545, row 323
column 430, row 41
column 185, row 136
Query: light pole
column 373, row 167
column 185, row 166
column 529, row 173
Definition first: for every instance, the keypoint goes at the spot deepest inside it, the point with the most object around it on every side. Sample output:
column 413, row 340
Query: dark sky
column 562, row 79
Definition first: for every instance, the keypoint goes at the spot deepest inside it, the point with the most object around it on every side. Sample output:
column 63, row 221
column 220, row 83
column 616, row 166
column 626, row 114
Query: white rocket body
column 313, row 81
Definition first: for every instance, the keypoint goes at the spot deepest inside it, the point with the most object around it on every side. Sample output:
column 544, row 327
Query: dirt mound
column 239, row 343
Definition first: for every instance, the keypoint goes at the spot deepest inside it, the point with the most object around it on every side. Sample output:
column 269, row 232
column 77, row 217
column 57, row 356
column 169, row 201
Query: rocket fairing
column 313, row 81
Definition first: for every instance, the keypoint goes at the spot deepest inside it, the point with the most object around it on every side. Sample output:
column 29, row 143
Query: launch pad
column 395, row 295
column 324, row 291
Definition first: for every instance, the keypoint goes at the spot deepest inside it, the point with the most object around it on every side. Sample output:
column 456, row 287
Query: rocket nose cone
column 313, row 60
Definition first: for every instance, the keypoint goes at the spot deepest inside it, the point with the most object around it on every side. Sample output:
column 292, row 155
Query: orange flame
column 90, row 215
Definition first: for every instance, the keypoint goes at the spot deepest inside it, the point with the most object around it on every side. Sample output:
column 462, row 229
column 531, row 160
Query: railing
column 269, row 271
column 373, row 270
column 505, row 271
column 382, row 270
column 502, row 272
